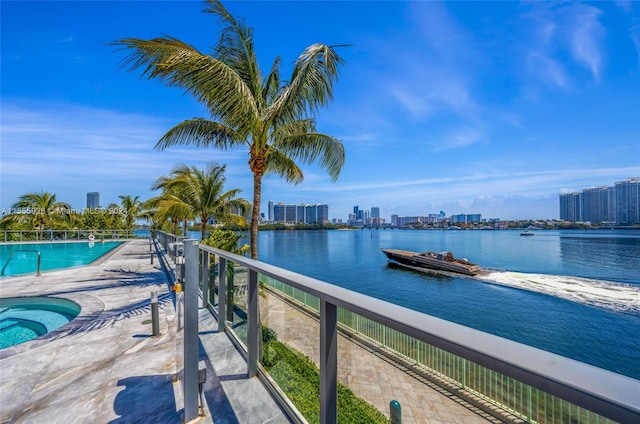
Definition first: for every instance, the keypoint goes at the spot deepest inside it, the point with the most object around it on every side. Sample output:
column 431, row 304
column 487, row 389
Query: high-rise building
column 375, row 216
column 598, row 204
column 571, row 206
column 466, row 218
column 303, row 213
column 316, row 214
column 628, row 201
column 93, row 200
column 359, row 213
column 620, row 203
column 270, row 212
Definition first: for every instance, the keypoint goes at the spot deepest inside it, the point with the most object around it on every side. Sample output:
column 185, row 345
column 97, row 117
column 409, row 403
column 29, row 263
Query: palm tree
column 271, row 118
column 193, row 192
column 41, row 208
column 131, row 207
column 170, row 204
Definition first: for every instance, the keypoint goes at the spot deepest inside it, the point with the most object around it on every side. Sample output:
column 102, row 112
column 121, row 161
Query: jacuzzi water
column 26, row 318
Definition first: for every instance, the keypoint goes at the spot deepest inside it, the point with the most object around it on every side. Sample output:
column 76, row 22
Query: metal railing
column 61, row 235
column 535, row 385
column 37, row 252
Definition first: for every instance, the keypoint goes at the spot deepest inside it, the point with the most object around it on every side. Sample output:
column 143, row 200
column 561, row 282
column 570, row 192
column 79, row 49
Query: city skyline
column 618, row 203
column 466, row 107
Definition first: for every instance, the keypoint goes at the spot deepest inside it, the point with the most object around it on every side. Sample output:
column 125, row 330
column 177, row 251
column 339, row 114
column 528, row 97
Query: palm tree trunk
column 255, row 214
column 203, row 228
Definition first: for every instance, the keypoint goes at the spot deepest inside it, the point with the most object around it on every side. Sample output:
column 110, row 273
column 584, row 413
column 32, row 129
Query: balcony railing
column 61, row 235
column 524, row 382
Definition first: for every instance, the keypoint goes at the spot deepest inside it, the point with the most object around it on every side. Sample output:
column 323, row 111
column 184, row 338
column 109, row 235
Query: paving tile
column 104, row 366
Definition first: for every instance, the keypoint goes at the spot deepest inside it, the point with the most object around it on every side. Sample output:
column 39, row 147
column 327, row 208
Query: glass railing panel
column 236, row 308
column 200, row 268
column 290, row 344
column 367, row 381
column 214, row 279
column 512, row 396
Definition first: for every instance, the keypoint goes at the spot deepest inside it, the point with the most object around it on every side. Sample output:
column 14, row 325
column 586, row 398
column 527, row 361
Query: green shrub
column 299, row 378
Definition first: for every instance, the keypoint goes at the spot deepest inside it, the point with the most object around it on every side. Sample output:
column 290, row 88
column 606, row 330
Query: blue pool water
column 26, row 318
column 54, row 255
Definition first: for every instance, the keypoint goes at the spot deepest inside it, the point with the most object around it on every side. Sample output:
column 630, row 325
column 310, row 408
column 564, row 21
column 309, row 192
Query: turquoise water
column 24, row 319
column 54, row 255
column 597, row 334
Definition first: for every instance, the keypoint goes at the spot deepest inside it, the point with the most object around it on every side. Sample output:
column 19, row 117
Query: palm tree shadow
column 219, row 406
column 146, row 399
column 127, row 278
column 109, row 317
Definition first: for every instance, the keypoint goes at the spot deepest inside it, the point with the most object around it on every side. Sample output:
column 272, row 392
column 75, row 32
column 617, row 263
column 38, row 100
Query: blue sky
column 465, row 107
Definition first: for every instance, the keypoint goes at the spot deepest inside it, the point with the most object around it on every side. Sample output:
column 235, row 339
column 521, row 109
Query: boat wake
column 619, row 297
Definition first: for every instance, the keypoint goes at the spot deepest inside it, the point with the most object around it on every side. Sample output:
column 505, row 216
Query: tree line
column 187, row 193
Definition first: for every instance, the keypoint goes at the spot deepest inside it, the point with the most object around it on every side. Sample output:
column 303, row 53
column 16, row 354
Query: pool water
column 26, row 318
column 22, row 258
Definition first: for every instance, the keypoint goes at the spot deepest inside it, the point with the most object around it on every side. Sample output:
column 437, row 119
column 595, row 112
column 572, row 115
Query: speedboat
column 444, row 261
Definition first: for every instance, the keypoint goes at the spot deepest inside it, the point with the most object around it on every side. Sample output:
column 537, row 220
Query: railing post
column 328, row 362
column 155, row 316
column 205, row 278
column 222, row 293
column 39, row 260
column 252, row 326
column 191, row 330
column 529, row 405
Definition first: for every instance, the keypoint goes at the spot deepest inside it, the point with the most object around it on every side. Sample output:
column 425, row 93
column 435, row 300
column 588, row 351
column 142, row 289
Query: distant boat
column 432, row 260
column 527, row 233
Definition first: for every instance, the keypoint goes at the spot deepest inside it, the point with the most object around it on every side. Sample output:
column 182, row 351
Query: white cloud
column 66, row 148
column 559, row 30
column 585, row 37
column 548, row 69
column 423, row 73
column 68, row 39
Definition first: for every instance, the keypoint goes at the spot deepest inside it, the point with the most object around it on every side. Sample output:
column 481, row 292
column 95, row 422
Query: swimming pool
column 22, row 258
column 27, row 318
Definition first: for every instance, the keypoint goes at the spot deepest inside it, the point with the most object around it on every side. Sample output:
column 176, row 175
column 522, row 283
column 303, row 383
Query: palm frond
column 207, row 79
column 201, row 132
column 299, row 140
column 235, row 47
column 280, row 164
column 311, row 84
column 272, row 84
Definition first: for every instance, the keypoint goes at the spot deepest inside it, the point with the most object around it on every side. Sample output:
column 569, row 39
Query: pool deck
column 105, row 366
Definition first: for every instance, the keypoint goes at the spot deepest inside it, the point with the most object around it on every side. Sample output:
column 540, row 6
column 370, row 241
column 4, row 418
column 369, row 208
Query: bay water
column 600, row 333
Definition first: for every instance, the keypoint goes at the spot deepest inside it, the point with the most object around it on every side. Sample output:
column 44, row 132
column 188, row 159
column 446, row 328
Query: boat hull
column 429, row 260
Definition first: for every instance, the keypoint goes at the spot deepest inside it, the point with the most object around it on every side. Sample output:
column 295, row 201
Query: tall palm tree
column 131, row 207
column 270, row 117
column 200, row 193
